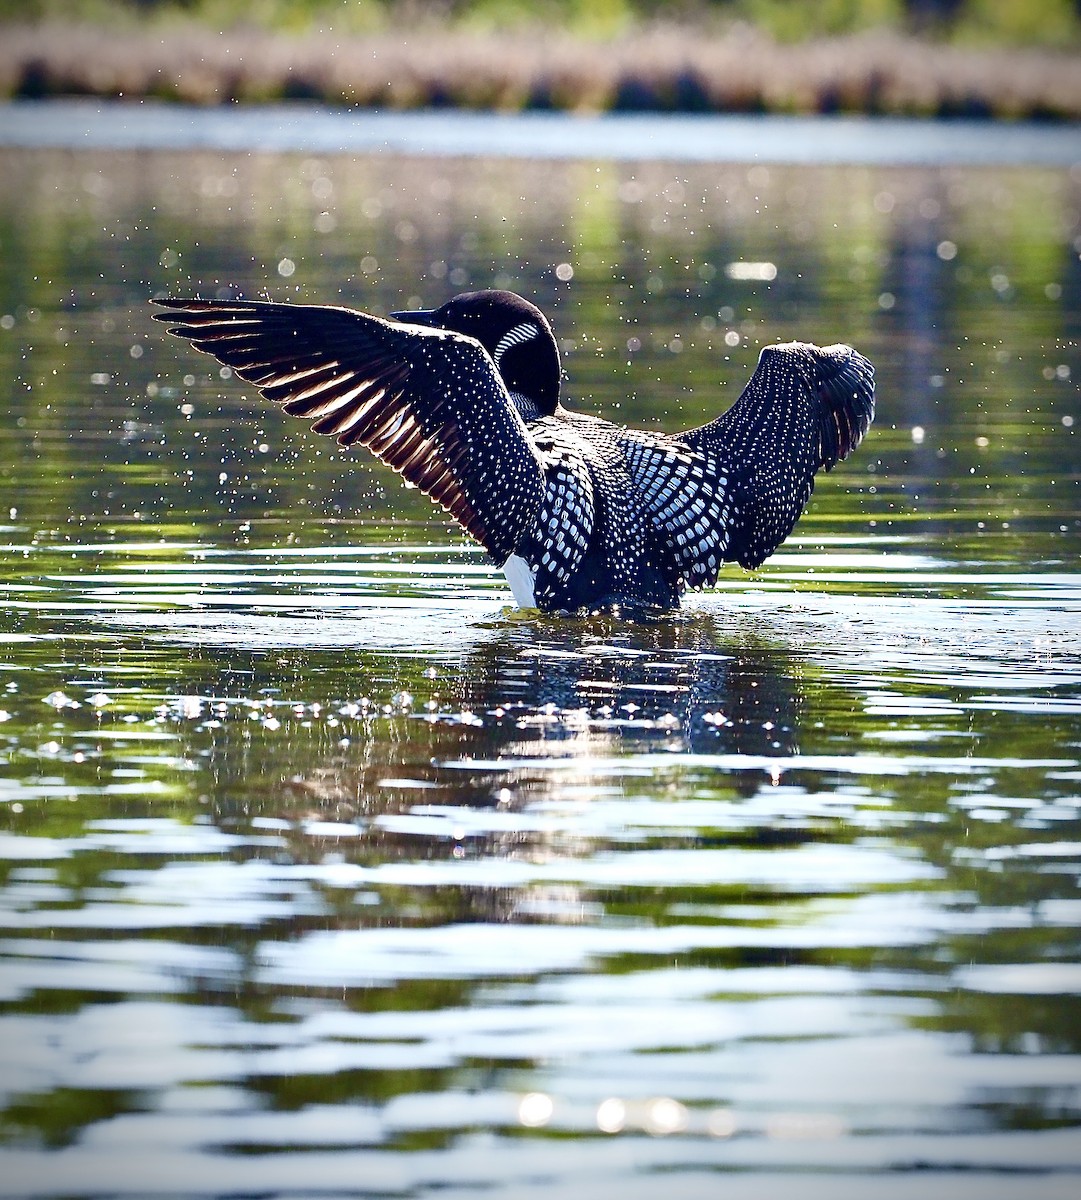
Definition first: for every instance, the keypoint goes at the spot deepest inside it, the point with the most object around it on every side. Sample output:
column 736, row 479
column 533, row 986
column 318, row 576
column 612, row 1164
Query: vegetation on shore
column 908, row 57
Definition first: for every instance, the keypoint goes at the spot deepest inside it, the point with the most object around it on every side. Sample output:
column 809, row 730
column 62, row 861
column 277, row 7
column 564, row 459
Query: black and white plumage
column 463, row 402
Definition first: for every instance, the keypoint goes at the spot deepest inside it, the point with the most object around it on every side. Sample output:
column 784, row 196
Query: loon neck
column 528, row 408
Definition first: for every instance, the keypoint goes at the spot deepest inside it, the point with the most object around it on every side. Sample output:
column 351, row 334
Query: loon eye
column 514, row 337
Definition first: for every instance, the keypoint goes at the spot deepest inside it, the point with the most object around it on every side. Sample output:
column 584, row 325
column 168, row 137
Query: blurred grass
column 988, row 22
column 999, row 58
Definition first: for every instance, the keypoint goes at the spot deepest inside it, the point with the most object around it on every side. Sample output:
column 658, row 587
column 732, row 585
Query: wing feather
column 557, row 554
column 684, row 491
column 805, row 408
column 428, row 402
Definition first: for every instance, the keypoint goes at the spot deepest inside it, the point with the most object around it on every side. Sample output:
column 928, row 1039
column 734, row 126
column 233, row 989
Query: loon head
column 516, row 335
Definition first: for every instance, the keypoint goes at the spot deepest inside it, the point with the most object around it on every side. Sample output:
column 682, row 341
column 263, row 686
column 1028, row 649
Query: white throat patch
column 514, row 337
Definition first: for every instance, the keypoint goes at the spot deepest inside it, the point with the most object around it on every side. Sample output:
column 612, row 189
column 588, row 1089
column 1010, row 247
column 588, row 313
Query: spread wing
column 685, row 493
column 428, row 402
column 804, row 409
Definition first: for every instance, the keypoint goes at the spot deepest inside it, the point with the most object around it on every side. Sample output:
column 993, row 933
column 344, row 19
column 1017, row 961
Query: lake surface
column 155, row 125
column 324, row 873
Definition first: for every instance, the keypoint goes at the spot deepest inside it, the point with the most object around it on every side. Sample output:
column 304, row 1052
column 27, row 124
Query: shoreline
column 669, row 68
column 95, row 125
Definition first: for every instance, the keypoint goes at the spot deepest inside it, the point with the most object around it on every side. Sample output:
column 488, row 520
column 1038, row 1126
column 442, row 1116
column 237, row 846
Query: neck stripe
column 514, row 337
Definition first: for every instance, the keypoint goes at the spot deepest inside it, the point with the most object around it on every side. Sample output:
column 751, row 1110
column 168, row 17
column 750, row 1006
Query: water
column 732, row 138
column 325, row 874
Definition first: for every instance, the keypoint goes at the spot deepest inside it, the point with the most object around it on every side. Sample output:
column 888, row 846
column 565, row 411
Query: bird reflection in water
column 536, row 716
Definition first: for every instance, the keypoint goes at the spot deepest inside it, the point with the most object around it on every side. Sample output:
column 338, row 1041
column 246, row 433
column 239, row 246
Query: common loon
column 463, row 402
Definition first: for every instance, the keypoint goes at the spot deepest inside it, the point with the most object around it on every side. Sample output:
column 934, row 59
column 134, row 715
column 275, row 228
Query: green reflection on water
column 255, row 695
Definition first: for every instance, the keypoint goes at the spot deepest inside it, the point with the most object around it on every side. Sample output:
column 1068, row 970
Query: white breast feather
column 521, row 580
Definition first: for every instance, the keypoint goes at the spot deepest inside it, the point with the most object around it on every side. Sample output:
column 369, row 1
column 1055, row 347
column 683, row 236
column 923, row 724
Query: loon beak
column 418, row 316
